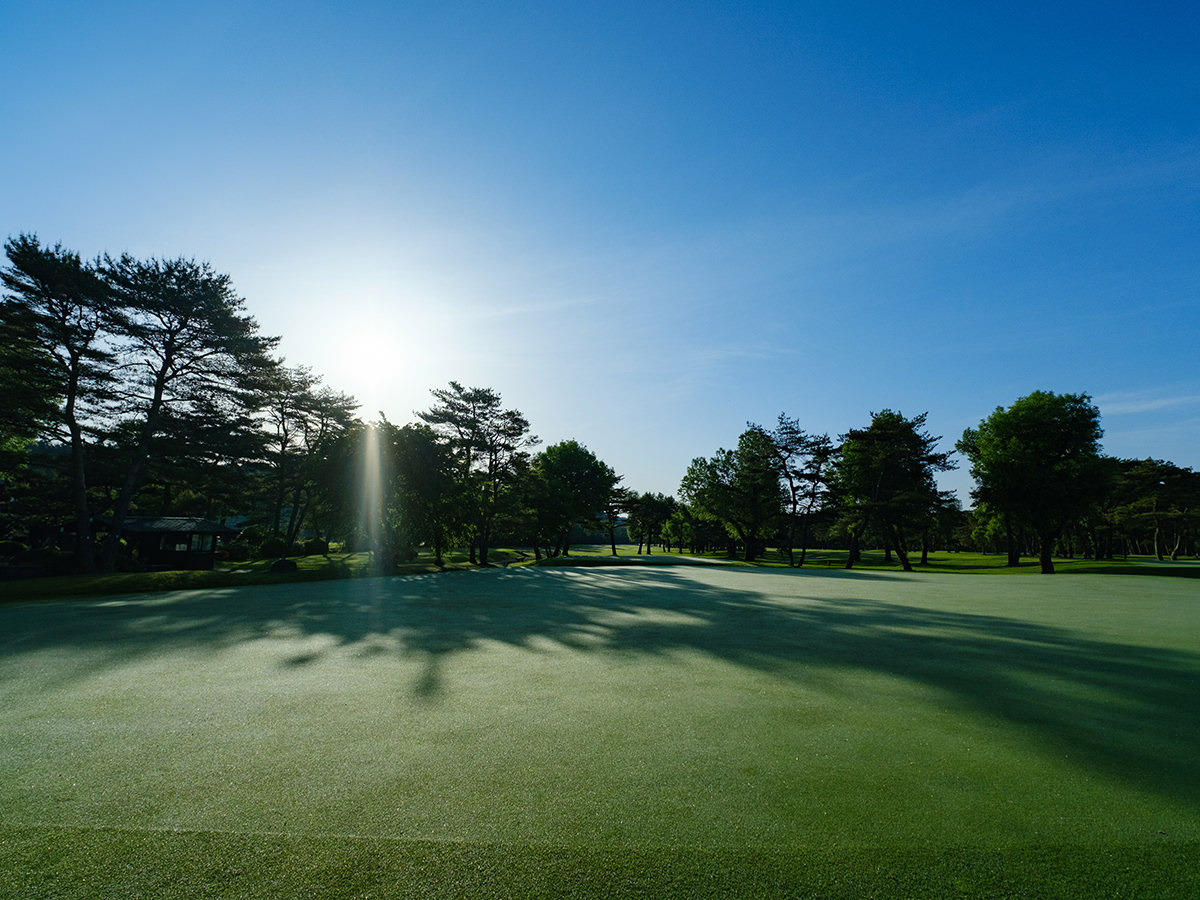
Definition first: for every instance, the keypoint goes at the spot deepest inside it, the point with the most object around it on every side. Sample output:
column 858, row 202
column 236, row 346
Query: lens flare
column 371, row 494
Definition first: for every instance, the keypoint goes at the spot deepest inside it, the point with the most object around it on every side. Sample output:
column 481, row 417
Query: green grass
column 331, row 567
column 675, row 731
column 128, row 865
column 338, row 566
column 970, row 563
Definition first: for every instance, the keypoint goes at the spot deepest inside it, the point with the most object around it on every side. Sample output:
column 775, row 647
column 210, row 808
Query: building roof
column 175, row 525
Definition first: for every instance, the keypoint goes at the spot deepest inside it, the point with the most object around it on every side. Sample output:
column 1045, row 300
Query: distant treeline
column 142, row 387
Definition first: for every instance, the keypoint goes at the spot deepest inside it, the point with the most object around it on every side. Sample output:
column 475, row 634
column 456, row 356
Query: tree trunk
column 296, row 514
column 1047, row 554
column 901, row 550
column 85, row 553
column 484, row 540
column 112, row 545
column 277, row 510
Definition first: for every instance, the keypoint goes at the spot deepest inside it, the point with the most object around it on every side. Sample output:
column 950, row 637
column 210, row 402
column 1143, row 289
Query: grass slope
column 666, row 731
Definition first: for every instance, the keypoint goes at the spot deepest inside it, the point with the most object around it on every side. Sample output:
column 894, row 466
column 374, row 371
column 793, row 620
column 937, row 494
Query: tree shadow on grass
column 1128, row 710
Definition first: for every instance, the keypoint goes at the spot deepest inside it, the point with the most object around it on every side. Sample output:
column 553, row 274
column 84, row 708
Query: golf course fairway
column 636, row 731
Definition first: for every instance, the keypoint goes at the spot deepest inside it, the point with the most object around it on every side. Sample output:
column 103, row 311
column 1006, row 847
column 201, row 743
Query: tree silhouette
column 488, row 445
column 190, row 350
column 884, row 477
column 60, row 315
column 1038, row 463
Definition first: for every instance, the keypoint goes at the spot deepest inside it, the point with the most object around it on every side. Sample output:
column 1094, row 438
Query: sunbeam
column 371, row 495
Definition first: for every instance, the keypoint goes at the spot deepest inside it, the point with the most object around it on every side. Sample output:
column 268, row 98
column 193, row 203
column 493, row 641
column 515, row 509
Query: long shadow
column 1129, row 710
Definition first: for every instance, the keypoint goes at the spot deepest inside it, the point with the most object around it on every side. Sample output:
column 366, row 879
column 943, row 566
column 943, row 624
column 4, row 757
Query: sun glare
column 366, row 363
column 371, row 496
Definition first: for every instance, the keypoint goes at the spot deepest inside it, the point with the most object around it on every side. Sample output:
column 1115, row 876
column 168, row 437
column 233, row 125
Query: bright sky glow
column 647, row 223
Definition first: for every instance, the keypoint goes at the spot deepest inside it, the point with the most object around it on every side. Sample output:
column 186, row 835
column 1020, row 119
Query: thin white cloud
column 1131, row 403
column 859, row 227
column 535, row 308
column 730, row 353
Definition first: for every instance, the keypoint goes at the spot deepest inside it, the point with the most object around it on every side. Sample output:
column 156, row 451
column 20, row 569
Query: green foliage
column 566, row 485
column 1156, row 505
column 10, row 550
column 58, row 360
column 1038, row 464
column 740, row 488
column 273, row 548
column 316, row 547
column 302, row 417
column 178, row 410
column 53, row 560
column 196, row 360
column 388, row 489
column 648, row 514
column 55, row 365
column 488, row 449
column 427, row 499
column 803, row 461
column 254, row 535
column 884, row 478
column 238, row 551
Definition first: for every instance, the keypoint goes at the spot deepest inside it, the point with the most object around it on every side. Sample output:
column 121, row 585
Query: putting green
column 624, row 707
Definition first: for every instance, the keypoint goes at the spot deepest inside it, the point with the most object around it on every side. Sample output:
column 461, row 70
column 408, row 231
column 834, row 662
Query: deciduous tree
column 578, row 486
column 741, row 488
column 1038, row 463
column 648, row 512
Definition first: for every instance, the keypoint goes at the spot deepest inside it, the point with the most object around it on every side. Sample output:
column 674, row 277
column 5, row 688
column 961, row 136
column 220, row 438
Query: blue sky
column 647, row 223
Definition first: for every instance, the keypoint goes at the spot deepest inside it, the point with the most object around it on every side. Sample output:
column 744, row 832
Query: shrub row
column 275, row 548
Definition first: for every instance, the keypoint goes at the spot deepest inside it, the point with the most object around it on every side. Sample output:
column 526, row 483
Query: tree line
column 1043, row 488
column 143, row 387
